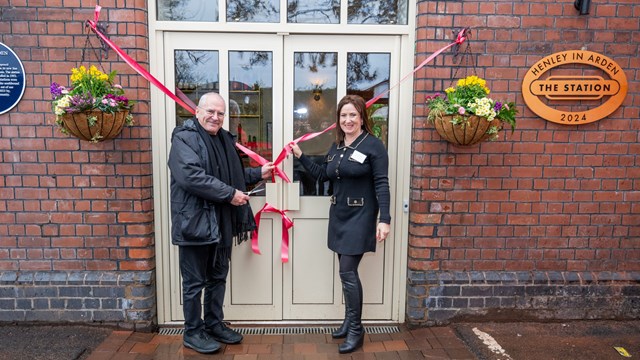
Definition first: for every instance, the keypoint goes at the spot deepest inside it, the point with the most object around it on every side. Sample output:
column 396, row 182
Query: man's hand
column 239, row 198
column 267, row 170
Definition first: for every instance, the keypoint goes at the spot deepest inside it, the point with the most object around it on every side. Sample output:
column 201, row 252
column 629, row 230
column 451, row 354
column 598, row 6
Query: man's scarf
column 235, row 222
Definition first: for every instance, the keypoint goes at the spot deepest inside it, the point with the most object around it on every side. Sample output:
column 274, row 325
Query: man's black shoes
column 201, row 342
column 224, row 334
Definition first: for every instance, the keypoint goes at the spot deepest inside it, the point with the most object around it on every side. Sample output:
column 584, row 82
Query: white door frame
column 160, row 143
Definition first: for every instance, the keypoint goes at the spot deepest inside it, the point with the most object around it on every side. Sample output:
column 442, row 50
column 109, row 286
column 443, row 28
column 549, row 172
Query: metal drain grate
column 297, row 330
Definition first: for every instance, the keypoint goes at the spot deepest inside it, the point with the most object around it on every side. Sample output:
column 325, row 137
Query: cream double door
column 279, row 87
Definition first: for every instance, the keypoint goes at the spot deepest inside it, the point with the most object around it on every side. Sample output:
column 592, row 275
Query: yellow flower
column 77, row 73
column 94, row 72
column 449, row 90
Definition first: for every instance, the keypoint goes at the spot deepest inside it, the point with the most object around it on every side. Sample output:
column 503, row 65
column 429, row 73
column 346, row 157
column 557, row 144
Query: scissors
column 258, row 188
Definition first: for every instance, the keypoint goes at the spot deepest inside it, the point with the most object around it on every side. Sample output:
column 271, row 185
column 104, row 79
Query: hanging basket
column 466, row 130
column 94, row 126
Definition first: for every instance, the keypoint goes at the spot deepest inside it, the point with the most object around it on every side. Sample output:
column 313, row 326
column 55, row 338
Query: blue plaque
column 12, row 80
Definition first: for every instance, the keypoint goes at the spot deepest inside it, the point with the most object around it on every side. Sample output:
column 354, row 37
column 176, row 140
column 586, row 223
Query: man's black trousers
column 203, row 267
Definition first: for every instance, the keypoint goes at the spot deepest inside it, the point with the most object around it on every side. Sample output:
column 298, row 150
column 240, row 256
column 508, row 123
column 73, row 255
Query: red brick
column 141, row 253
column 424, row 242
column 100, row 265
column 423, row 265
column 419, row 253
column 33, row 265
column 137, row 265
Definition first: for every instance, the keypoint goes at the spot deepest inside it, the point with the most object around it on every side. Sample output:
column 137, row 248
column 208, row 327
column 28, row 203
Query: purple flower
column 56, row 90
column 498, row 106
column 116, row 100
column 79, row 103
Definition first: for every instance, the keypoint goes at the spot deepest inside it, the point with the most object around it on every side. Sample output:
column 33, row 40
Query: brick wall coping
column 528, row 277
column 120, row 278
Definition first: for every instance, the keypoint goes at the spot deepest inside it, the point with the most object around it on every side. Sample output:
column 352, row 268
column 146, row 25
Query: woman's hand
column 382, row 232
column 267, row 170
column 295, row 149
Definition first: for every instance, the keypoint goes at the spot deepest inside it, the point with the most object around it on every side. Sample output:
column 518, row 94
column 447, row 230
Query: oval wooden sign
column 578, row 87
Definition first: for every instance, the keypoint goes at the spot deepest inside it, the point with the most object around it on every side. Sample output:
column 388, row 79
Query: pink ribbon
column 287, row 150
column 260, row 160
column 145, row 74
column 462, row 36
column 286, row 225
column 187, row 104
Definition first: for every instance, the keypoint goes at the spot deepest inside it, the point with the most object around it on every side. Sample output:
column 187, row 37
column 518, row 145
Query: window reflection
column 313, row 11
column 196, row 73
column 261, row 11
column 314, row 109
column 386, row 12
column 250, row 101
column 187, row 10
column 377, row 12
column 368, row 76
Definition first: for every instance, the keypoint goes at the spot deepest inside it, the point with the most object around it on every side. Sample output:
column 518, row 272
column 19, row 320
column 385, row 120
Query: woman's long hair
column 361, row 106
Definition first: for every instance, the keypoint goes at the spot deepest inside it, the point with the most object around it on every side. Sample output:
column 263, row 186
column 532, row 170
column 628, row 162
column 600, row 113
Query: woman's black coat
column 360, row 191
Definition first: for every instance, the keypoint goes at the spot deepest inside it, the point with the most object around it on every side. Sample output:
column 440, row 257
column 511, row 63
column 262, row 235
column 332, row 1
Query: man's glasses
column 213, row 112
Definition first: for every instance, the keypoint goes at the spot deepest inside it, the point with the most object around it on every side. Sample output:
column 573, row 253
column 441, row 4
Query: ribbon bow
column 286, row 225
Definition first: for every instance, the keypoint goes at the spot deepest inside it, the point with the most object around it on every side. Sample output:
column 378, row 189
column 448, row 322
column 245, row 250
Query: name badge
column 358, row 156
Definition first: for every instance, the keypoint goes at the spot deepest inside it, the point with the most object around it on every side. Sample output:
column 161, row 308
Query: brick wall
column 76, row 218
column 545, row 222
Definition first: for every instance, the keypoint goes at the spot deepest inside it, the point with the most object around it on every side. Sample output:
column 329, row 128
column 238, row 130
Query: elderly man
column 209, row 210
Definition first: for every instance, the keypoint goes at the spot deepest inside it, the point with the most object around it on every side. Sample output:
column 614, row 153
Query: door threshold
column 276, row 323
column 287, row 329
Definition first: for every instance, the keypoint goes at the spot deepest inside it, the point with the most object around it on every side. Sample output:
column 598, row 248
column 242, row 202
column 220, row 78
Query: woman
column 357, row 167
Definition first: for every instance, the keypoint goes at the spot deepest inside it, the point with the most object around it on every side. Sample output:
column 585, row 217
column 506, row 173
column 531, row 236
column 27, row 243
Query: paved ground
column 429, row 343
column 18, row 342
column 578, row 340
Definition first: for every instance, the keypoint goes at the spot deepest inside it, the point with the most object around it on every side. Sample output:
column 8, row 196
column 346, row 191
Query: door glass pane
column 196, row 73
column 313, row 11
column 260, row 11
column 251, row 101
column 187, row 10
column 377, row 12
column 368, row 76
column 314, row 109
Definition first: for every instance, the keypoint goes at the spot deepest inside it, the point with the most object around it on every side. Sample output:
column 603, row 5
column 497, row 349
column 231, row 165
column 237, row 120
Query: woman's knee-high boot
column 353, row 299
column 341, row 332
